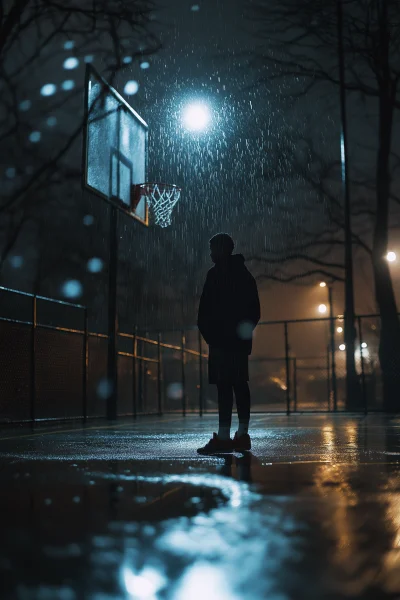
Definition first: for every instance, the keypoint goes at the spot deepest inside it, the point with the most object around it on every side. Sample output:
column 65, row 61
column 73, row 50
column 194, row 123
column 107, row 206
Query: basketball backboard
column 115, row 146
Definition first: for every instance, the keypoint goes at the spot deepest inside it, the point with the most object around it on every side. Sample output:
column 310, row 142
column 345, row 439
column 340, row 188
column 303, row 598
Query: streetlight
column 391, row 256
column 196, row 117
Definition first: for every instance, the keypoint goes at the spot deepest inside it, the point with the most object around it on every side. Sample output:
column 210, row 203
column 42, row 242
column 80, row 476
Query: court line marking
column 19, row 437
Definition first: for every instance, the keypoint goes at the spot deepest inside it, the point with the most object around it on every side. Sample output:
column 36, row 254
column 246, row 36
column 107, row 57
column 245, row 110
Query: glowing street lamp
column 339, row 329
column 322, row 284
column 196, row 117
column 391, row 256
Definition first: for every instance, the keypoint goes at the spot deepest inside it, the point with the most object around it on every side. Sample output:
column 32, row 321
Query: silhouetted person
column 228, row 313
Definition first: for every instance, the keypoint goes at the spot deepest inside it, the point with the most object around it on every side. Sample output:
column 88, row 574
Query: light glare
column 196, row 117
column 391, row 256
column 322, row 308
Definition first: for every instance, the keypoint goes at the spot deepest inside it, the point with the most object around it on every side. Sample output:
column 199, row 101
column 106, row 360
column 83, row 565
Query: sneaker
column 241, row 443
column 216, row 446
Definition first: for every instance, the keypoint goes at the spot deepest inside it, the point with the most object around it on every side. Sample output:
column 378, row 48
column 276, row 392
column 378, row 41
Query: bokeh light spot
column 70, row 63
column 175, row 391
column 69, row 45
column 245, row 330
column 11, row 172
column 68, row 85
column 104, row 389
column 35, row 137
column 89, row 58
column 195, row 8
column 48, row 89
column 72, row 289
column 127, row 60
column 25, row 105
column 145, row 65
column 51, row 121
column 95, row 265
column 88, row 220
column 16, row 261
column 131, row 88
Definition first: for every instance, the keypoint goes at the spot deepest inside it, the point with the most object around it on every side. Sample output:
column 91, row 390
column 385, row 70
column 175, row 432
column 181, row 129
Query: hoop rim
column 160, row 184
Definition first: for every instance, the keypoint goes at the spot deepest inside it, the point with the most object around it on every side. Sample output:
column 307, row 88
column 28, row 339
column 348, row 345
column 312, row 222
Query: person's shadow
column 243, row 464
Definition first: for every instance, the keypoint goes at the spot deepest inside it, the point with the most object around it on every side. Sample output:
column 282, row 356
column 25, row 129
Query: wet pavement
column 129, row 510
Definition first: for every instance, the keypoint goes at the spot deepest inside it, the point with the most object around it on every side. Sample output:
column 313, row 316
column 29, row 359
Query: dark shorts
column 227, row 366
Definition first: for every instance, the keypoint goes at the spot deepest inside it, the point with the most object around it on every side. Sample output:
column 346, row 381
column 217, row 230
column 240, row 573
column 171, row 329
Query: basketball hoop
column 161, row 198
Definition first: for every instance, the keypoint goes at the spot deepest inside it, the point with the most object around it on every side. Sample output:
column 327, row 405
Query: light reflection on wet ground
column 131, row 511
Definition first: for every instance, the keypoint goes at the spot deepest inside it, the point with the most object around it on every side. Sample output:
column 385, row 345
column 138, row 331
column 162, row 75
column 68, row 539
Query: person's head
column 221, row 247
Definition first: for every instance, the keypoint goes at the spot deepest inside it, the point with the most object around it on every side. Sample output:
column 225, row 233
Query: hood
column 235, row 261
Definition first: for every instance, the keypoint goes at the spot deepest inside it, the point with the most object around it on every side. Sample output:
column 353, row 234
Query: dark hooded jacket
column 229, row 306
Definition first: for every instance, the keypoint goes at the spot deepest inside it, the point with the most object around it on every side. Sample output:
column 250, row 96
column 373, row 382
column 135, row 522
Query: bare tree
column 44, row 46
column 297, row 43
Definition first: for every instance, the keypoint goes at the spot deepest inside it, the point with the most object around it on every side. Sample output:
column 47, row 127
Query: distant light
column 11, row 172
column 69, row 45
column 196, row 117
column 95, row 265
column 322, row 308
column 72, row 289
column 70, row 63
column 127, row 59
column 48, row 90
column 25, row 105
column 35, row 137
column 340, row 330
column 16, row 262
column 89, row 58
column 145, row 65
column 195, row 8
column 68, row 85
column 322, row 284
column 391, row 256
column 51, row 121
column 88, row 220
column 131, row 88
column 342, row 347
column 364, row 345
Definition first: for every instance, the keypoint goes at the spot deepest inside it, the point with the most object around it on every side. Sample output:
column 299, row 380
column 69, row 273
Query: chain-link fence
column 54, row 368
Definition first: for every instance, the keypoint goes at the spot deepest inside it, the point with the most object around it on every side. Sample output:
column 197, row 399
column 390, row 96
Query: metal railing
column 53, row 367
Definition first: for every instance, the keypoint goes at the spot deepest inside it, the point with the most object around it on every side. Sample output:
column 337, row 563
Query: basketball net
column 161, row 198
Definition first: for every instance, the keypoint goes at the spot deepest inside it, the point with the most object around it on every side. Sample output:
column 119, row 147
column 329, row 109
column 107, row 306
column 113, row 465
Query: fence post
column 159, row 375
column 183, row 344
column 364, row 390
column 134, row 391
column 200, row 377
column 85, row 366
column 295, row 383
column 33, row 360
column 287, row 360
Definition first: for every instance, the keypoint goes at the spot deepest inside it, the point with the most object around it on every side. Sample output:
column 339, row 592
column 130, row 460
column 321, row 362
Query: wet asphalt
column 129, row 510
